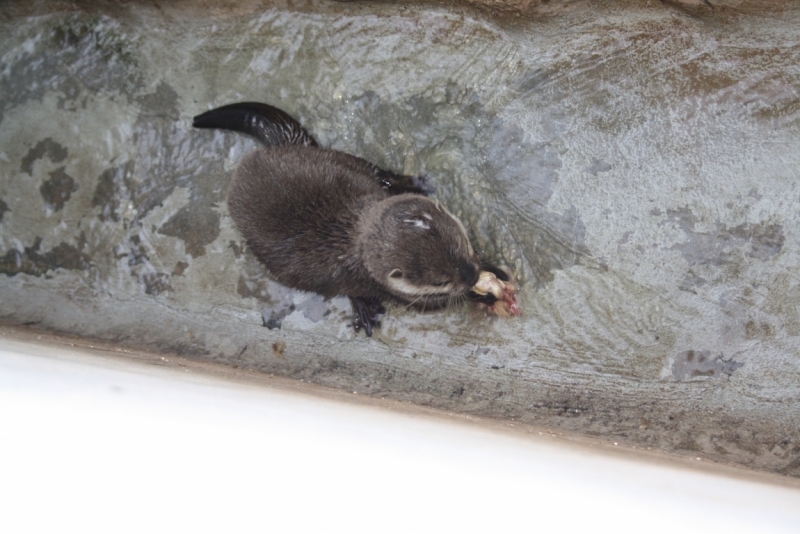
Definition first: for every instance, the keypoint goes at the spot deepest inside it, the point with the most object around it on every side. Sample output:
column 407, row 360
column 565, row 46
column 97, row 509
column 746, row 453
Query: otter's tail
column 268, row 124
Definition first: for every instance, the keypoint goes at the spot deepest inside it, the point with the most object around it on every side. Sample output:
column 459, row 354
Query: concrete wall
column 637, row 167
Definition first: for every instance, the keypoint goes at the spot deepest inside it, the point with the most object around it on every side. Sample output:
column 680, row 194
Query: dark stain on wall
column 765, row 240
column 151, row 281
column 137, row 254
column 155, row 283
column 58, row 189
column 163, row 103
column 180, row 268
column 197, row 226
column 699, row 364
column 758, row 330
column 46, row 147
column 760, row 241
column 32, row 261
column 3, row 210
column 723, row 247
column 113, row 189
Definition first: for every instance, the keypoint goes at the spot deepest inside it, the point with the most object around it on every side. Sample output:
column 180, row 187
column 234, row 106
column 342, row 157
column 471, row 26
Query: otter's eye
column 440, row 284
column 396, row 273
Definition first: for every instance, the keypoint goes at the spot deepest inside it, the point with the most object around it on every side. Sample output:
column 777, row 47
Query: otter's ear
column 396, row 273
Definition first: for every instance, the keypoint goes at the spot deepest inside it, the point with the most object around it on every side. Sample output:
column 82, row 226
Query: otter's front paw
column 366, row 314
column 400, row 183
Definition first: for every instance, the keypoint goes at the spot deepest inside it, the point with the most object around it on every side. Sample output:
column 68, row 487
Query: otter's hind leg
column 266, row 123
column 366, row 312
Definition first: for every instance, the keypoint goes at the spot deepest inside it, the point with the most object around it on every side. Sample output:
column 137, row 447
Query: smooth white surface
column 92, row 444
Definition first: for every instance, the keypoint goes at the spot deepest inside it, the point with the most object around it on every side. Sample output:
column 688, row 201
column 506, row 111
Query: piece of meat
column 504, row 291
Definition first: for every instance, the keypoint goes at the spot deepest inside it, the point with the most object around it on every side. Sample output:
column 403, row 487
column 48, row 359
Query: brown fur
column 320, row 221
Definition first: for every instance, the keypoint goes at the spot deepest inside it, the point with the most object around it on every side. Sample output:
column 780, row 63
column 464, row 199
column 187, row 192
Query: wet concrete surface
column 634, row 166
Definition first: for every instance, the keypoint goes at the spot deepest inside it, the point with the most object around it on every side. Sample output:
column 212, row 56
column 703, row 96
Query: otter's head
column 417, row 250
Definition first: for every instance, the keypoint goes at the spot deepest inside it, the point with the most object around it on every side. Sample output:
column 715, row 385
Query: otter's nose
column 469, row 273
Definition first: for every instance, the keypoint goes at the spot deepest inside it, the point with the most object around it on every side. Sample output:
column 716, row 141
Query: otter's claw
column 366, row 312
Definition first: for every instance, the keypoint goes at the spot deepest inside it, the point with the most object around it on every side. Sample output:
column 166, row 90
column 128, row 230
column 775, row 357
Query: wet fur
column 281, row 200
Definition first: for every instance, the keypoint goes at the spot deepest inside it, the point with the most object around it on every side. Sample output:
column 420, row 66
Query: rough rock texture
column 636, row 165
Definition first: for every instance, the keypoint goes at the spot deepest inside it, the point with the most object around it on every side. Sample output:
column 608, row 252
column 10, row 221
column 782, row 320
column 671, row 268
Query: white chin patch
column 401, row 286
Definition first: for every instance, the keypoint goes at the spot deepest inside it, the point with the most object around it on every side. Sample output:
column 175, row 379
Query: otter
column 331, row 223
